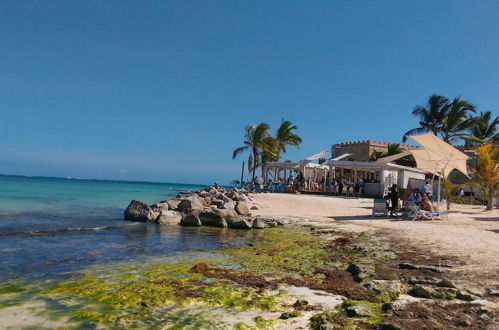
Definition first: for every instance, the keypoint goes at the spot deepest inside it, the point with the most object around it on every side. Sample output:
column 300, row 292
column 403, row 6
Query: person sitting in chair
column 426, row 205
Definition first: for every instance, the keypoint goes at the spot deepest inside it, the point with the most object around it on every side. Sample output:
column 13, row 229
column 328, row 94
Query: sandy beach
column 470, row 234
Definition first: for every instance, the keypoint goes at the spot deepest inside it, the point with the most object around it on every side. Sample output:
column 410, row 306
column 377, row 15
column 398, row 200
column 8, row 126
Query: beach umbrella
column 438, row 157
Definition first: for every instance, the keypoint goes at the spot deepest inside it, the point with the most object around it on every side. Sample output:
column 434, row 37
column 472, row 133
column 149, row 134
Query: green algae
column 338, row 318
column 289, row 315
column 11, row 288
column 262, row 323
column 125, row 296
column 282, row 252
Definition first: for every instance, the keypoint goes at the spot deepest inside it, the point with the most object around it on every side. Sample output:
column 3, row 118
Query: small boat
column 185, row 192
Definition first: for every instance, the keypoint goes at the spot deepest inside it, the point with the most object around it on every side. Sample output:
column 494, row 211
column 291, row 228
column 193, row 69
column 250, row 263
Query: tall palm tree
column 483, row 130
column 286, row 136
column 457, row 120
column 254, row 140
column 431, row 116
column 487, row 170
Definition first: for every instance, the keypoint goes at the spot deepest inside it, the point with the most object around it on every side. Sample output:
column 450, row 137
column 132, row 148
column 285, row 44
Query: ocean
column 52, row 227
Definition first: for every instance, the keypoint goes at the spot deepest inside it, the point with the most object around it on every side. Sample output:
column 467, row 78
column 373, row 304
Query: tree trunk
column 490, row 198
column 254, row 164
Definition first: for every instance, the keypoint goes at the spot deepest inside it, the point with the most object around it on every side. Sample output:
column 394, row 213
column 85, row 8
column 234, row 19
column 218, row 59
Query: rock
column 239, row 223
column 406, row 265
column 254, row 207
column 462, row 295
column 209, row 218
column 446, row 283
column 272, row 224
column 357, row 272
column 192, row 203
column 138, row 211
column 162, row 206
column 223, row 197
column 204, row 193
column 242, row 208
column 420, row 292
column 173, row 203
column 191, row 219
column 391, row 289
column 243, row 198
column 169, row 217
column 217, row 202
column 228, row 205
column 206, row 201
column 426, row 280
column 360, row 310
column 227, row 214
column 259, row 224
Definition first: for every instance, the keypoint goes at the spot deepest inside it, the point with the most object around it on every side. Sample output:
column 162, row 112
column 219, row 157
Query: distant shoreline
column 96, row 180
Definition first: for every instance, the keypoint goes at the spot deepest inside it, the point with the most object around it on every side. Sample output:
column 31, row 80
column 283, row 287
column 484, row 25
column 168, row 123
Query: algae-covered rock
column 420, row 292
column 361, row 310
column 289, row 315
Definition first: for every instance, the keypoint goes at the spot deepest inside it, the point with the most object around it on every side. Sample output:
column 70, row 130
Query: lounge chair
column 380, row 207
column 416, row 213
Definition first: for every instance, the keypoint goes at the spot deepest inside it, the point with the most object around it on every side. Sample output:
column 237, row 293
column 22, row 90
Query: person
column 428, row 189
column 340, row 186
column 426, row 204
column 415, row 197
column 394, row 199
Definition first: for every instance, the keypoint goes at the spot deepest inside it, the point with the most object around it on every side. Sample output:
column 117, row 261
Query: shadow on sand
column 363, row 217
column 487, row 219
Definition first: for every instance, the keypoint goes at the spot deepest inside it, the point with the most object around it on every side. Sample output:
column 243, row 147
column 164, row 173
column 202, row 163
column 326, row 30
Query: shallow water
column 51, row 227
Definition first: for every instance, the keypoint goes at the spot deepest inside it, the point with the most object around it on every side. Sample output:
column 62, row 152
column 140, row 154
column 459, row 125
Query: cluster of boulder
column 212, row 206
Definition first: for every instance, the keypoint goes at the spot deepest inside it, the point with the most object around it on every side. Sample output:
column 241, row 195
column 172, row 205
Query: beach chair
column 416, row 213
column 380, row 207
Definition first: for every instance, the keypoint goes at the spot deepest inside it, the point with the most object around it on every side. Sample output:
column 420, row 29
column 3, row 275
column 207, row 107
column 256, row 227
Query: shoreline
column 330, row 264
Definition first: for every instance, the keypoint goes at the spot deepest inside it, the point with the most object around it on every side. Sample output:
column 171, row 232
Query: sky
column 162, row 90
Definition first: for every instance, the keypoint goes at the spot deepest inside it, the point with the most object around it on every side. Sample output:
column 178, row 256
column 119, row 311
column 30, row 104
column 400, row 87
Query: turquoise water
column 50, row 227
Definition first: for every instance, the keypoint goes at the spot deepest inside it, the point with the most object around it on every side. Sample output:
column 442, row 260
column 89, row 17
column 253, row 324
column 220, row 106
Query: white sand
column 470, row 233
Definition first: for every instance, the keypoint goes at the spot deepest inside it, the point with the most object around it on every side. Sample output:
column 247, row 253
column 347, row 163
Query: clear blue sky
column 161, row 90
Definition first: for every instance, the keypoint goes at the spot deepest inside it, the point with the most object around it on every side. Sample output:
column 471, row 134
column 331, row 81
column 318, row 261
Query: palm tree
column 457, row 120
column 483, row 130
column 487, row 170
column 284, row 137
column 431, row 116
column 254, row 138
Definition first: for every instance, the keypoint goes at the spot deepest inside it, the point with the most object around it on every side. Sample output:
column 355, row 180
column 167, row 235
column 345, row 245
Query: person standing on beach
column 428, row 189
column 394, row 199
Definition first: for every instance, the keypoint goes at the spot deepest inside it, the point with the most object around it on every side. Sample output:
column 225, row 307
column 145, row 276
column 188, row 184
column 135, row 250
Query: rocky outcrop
column 213, row 206
column 138, row 211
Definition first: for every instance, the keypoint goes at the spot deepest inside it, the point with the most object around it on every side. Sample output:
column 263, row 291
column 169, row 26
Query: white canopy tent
column 438, row 157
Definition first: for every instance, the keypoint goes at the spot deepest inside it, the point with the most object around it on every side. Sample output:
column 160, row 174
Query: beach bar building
column 377, row 176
